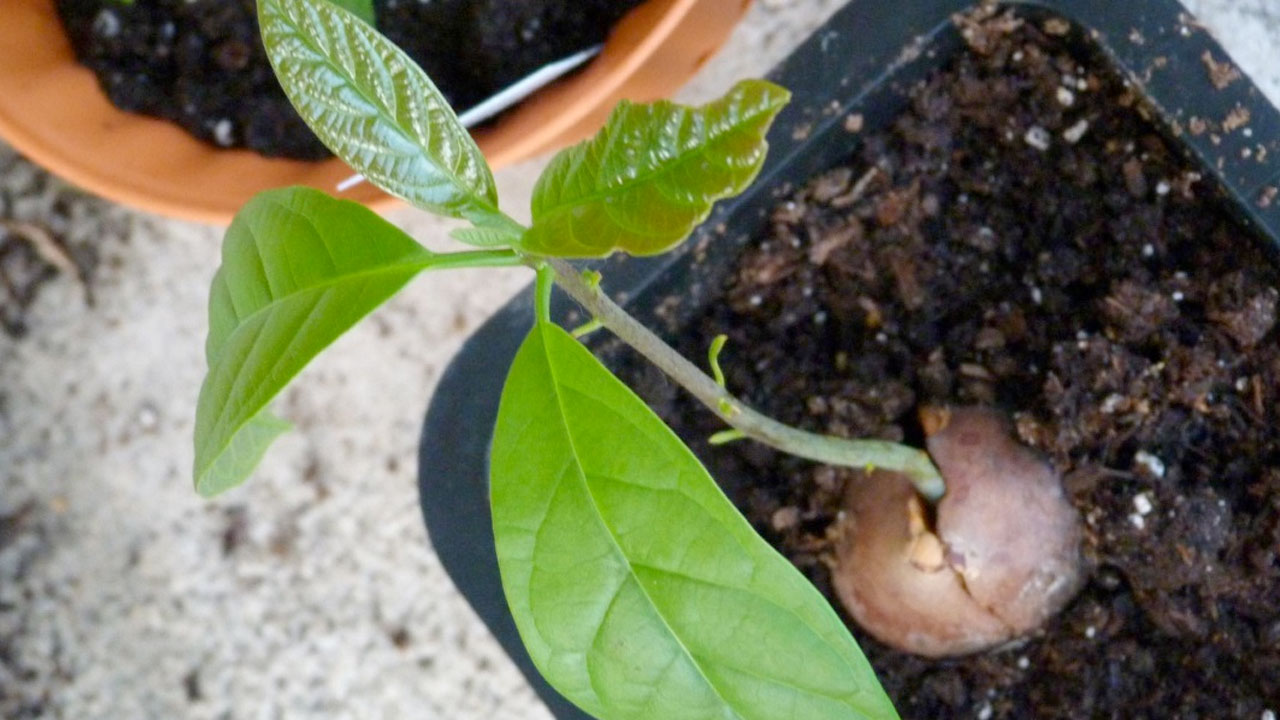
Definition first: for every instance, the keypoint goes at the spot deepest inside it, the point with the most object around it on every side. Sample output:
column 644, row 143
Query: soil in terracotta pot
column 200, row 63
column 1022, row 237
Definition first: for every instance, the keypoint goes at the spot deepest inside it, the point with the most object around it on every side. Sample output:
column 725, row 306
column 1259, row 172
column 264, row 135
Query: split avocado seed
column 997, row 556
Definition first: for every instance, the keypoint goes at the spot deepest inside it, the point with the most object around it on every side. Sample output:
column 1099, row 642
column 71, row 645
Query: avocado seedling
column 637, row 587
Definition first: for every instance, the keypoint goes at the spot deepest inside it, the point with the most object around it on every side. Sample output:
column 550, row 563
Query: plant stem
column 858, row 454
column 542, row 293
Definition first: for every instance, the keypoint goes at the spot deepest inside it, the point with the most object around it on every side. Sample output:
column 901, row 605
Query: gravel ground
column 311, row 592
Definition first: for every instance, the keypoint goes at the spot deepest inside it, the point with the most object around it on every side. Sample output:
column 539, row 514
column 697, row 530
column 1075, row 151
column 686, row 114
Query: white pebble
column 1162, row 188
column 985, row 712
column 1024, row 662
column 222, row 132
column 1090, row 632
column 106, row 23
column 1178, row 296
column 1142, row 503
column 1037, row 297
column 1112, row 403
column 1066, row 98
column 1038, row 138
column 1137, row 521
column 1268, row 715
column 1074, row 133
column 147, row 417
column 1153, row 464
column 1148, row 250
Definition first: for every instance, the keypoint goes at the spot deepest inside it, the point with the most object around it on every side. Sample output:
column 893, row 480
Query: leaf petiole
column 586, row 328
column 724, row 437
column 476, row 259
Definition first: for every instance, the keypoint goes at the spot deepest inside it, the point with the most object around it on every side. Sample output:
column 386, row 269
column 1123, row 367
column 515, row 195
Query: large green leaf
column 298, row 269
column 652, row 174
column 638, row 589
column 372, row 106
column 362, row 9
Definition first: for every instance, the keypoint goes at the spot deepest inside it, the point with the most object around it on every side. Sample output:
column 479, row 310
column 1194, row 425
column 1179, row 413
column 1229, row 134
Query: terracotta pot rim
column 550, row 119
column 598, row 91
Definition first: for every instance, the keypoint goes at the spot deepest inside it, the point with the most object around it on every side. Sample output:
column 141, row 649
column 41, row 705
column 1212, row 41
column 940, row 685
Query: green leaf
column 362, row 9
column 485, row 237
column 652, row 174
column 241, row 455
column 638, row 589
column 298, row 269
column 377, row 110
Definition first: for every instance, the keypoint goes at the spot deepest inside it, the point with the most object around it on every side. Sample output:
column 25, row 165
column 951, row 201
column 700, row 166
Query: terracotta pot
column 52, row 111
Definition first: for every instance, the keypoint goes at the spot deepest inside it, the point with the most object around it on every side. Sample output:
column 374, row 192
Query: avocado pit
column 996, row 558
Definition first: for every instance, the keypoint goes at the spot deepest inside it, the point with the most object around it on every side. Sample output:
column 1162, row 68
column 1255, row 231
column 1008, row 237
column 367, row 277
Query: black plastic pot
column 862, row 62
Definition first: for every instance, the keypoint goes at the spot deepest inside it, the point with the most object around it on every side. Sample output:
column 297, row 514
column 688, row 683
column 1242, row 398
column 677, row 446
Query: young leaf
column 362, row 9
column 377, row 110
column 298, row 269
column 638, row 589
column 652, row 174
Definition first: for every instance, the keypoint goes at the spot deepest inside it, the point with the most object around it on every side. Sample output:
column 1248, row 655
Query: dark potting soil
column 200, row 63
column 477, row 47
column 1022, row 237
